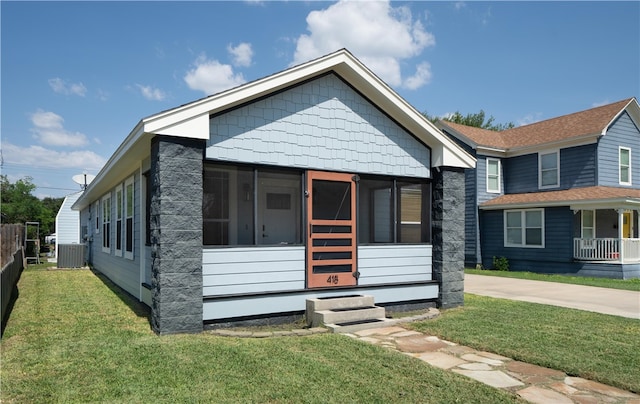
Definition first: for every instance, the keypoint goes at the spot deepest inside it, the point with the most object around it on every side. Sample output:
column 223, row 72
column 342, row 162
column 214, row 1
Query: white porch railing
column 606, row 249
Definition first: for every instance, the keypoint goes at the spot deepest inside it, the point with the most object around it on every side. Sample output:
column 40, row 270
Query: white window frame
column 587, row 242
column 96, row 217
column 544, row 153
column 119, row 216
column 523, row 228
column 621, row 182
column 129, row 214
column 498, row 177
column 106, row 223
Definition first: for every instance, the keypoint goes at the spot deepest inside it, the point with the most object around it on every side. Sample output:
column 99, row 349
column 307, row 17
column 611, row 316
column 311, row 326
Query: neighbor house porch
column 607, row 235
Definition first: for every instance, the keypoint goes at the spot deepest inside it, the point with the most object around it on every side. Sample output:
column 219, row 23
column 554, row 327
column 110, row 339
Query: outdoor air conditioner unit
column 70, row 255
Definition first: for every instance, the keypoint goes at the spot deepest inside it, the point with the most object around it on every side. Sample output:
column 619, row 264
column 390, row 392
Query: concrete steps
column 345, row 314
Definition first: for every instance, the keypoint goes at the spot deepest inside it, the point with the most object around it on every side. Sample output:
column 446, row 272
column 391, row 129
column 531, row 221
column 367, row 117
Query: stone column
column 176, row 234
column 448, row 235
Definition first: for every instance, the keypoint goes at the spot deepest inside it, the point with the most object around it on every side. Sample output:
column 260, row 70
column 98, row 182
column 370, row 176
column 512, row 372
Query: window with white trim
column 588, row 224
column 624, row 165
column 119, row 214
column 96, row 217
column 493, row 175
column 106, row 223
column 524, row 228
column 128, row 214
column 587, row 228
column 549, row 169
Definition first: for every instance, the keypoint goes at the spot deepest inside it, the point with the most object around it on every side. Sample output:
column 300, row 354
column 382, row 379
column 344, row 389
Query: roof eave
column 606, row 203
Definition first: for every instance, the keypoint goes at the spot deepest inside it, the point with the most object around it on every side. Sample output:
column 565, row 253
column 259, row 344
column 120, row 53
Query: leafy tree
column 19, row 205
column 476, row 120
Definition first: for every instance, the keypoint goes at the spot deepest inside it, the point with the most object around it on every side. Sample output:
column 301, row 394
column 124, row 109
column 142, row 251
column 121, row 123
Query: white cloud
column 39, row 156
column 150, row 93
column 211, row 76
column 420, row 78
column 242, row 54
column 61, row 86
column 381, row 36
column 48, row 129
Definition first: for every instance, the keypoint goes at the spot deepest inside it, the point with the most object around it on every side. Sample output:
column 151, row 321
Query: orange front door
column 331, row 235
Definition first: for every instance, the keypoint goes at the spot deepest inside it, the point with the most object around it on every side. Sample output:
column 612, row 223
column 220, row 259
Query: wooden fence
column 12, row 257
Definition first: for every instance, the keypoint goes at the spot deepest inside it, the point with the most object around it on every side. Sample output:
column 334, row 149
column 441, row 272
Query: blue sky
column 77, row 76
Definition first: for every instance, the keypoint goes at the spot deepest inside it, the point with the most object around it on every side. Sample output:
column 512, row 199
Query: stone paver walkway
column 533, row 383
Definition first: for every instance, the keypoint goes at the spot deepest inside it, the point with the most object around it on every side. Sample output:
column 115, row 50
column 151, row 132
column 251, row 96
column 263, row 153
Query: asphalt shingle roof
column 597, row 193
column 589, row 122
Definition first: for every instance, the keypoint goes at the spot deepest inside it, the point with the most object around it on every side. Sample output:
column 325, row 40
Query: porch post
column 176, row 234
column 620, row 234
column 448, row 235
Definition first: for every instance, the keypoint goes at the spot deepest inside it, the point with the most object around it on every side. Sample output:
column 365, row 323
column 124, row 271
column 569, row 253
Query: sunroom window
column 393, row 211
column 236, row 198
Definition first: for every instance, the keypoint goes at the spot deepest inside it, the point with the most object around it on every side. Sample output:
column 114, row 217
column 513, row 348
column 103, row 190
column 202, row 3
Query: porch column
column 621, row 234
column 176, row 234
column 448, row 235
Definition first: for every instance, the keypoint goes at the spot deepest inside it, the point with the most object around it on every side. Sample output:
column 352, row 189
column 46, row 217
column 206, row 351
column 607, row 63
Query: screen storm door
column 331, row 236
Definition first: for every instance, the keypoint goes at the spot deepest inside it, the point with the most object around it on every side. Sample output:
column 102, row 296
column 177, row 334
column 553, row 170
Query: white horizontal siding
column 283, row 303
column 252, row 270
column 394, row 263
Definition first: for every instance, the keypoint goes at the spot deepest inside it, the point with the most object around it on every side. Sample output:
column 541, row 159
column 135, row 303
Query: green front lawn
column 631, row 284
column 74, row 337
column 591, row 345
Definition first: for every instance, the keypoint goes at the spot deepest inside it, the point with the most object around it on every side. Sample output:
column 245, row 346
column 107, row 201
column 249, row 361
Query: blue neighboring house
column 557, row 196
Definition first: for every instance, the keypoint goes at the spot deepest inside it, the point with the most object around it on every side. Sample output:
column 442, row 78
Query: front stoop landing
column 343, row 314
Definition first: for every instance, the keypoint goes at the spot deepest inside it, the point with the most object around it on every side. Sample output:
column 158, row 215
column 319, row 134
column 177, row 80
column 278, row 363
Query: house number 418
column 332, row 279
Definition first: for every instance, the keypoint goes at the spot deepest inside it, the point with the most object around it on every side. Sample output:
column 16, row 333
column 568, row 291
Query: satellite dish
column 83, row 179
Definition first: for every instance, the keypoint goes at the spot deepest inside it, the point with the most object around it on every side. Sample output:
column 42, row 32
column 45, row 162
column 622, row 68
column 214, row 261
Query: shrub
column 500, row 263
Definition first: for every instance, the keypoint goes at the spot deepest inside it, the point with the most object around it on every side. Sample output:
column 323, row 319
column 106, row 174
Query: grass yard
column 73, row 337
column 630, row 284
column 590, row 345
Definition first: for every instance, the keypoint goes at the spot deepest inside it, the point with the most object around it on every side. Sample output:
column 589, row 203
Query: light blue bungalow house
column 559, row 196
column 317, row 181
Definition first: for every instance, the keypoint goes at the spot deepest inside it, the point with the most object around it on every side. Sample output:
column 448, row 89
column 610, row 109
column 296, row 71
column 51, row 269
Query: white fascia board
column 491, row 152
column 121, row 162
column 616, row 203
column 560, row 144
column 176, row 118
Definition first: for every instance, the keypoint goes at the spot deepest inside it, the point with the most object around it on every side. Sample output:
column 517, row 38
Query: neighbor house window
column 624, row 164
column 549, row 169
column 588, row 225
column 128, row 218
column 493, row 175
column 524, row 228
column 119, row 215
column 106, row 223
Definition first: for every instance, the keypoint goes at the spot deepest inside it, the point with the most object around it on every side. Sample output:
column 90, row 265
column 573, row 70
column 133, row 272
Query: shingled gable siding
column 176, row 235
column 323, row 124
column 624, row 133
column 448, row 235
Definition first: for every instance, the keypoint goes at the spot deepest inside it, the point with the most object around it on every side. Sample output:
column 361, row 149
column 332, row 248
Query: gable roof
column 596, row 195
column 192, row 120
column 584, row 126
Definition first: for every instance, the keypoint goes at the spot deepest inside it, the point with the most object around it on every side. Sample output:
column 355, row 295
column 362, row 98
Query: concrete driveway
column 622, row 303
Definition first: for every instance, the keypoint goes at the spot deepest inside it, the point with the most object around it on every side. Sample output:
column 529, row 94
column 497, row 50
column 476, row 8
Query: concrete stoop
column 346, row 314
